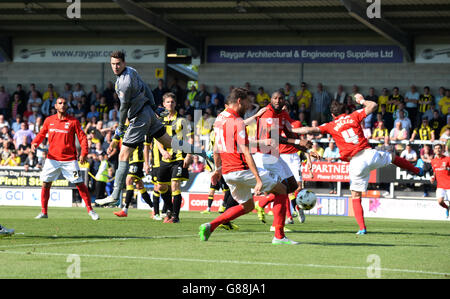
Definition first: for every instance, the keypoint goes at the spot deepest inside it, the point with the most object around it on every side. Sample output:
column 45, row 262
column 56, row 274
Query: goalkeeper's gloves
column 118, row 134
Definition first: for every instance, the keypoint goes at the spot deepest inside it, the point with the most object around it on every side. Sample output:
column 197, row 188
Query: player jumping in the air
column 348, row 134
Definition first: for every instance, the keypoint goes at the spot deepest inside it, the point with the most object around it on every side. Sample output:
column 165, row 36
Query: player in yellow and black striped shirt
column 174, row 164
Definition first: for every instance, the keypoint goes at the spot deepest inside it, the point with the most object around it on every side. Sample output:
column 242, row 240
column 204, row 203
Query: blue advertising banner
column 304, row 54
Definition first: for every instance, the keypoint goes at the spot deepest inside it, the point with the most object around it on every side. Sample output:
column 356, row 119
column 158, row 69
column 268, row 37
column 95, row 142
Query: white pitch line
column 224, row 262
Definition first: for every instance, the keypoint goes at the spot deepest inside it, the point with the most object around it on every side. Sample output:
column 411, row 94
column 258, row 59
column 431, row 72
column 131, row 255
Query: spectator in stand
column 398, row 133
column 440, row 95
column 409, row 154
column 28, row 112
column 94, row 94
column 196, row 165
column 48, row 105
column 436, row 121
column 179, row 93
column 302, row 119
column 314, row 136
column 109, row 93
column 37, row 126
column 217, row 107
column 383, row 99
column 35, row 101
column 23, row 132
column 304, row 96
column 248, row 86
column 33, row 88
column 67, row 91
column 188, row 108
column 4, row 102
column 394, row 100
column 200, row 96
column 31, row 160
column 6, row 149
column 12, row 160
column 3, row 122
column 24, row 149
column 445, row 137
column 424, row 131
column 426, row 100
column 355, row 90
column 331, row 154
column 78, row 92
column 444, row 102
column 401, row 107
column 288, row 92
column 159, row 91
column 50, row 92
column 102, row 108
column 207, row 103
column 387, row 118
column 320, row 103
column 406, row 122
column 15, row 104
column 16, row 124
column 93, row 113
column 190, row 96
column 262, row 96
column 254, row 106
column 380, row 132
column 446, row 126
column 22, row 98
column 78, row 112
column 5, row 134
column 316, row 148
column 372, row 96
column 426, row 155
column 412, row 98
column 33, row 117
column 340, row 95
column 349, row 104
column 217, row 95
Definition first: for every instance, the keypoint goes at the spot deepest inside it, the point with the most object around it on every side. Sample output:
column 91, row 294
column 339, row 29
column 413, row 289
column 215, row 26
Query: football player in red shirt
column 235, row 163
column 270, row 128
column 441, row 170
column 348, row 134
column 62, row 155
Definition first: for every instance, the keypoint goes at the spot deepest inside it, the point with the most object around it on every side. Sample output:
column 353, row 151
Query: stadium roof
column 191, row 22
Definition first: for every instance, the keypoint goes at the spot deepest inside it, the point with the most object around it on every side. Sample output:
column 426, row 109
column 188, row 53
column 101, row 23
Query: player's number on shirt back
column 350, row 136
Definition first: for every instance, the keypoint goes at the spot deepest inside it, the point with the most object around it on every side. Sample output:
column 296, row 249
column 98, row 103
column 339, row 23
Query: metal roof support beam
column 382, row 27
column 164, row 27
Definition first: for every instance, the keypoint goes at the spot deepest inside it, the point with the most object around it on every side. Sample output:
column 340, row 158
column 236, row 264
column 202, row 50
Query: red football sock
column 227, row 216
column 288, row 209
column 279, row 214
column 84, row 193
column 405, row 164
column 359, row 212
column 265, row 201
column 45, row 195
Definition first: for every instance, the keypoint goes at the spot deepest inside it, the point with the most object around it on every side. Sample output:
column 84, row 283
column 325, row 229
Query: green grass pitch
column 69, row 244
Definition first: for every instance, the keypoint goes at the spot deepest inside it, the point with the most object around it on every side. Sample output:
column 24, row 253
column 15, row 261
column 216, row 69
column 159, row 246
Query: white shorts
column 362, row 164
column 241, row 183
column 443, row 193
column 273, row 164
column 69, row 169
column 294, row 163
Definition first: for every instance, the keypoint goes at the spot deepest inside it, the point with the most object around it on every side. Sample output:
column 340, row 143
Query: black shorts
column 172, row 171
column 220, row 184
column 154, row 174
column 136, row 170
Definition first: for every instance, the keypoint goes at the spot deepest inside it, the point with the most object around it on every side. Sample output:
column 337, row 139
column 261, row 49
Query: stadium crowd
column 401, row 116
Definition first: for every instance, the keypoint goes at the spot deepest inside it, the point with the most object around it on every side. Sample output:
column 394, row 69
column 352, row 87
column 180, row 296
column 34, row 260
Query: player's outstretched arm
column 306, row 130
column 369, row 106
